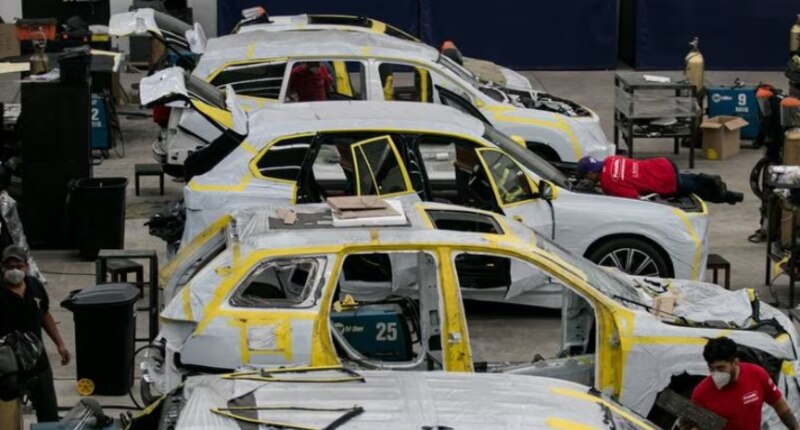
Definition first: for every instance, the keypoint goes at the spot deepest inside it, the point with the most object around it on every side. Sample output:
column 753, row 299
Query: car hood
column 700, row 304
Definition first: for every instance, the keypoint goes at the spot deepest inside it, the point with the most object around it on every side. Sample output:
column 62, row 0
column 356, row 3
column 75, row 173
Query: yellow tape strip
column 562, row 424
column 194, row 186
column 578, row 395
column 697, row 244
column 187, row 304
column 556, row 123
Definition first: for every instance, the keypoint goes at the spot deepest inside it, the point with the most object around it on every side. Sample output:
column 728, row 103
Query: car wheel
column 632, row 256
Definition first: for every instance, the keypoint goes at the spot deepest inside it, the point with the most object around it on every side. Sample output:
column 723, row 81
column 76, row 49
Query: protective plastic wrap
column 8, row 208
column 403, row 400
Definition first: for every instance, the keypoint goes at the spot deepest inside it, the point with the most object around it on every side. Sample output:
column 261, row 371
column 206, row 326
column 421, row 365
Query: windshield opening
column 459, row 70
column 522, row 155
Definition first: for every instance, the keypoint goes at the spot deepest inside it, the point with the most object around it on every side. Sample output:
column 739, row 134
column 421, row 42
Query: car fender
column 583, row 219
column 571, row 138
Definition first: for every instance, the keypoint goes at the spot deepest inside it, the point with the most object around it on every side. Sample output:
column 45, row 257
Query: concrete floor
column 729, row 226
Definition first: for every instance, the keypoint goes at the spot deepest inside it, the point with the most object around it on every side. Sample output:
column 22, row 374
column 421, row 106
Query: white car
column 306, row 152
column 302, row 285
column 514, row 83
column 369, row 66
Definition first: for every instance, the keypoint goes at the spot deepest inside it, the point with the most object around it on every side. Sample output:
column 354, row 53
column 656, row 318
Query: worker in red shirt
column 626, row 177
column 736, row 391
column 309, row 82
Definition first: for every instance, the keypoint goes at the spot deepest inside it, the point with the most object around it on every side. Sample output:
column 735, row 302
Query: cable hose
column 131, row 367
column 757, row 176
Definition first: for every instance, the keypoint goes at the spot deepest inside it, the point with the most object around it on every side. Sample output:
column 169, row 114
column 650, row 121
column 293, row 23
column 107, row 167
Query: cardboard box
column 9, row 45
column 664, row 306
column 721, row 136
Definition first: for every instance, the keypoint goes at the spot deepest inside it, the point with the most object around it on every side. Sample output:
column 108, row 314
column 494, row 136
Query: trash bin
column 97, row 206
column 105, row 332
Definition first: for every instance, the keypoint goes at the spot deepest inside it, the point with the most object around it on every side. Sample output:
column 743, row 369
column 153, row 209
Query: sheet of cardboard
column 9, row 45
column 354, row 203
column 664, row 306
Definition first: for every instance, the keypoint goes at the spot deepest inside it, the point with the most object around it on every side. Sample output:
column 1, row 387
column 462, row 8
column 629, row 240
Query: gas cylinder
column 794, row 37
column 791, row 157
column 39, row 61
column 695, row 69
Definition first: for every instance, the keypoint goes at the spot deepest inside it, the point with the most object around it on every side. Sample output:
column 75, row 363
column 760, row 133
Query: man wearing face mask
column 737, row 391
column 25, row 307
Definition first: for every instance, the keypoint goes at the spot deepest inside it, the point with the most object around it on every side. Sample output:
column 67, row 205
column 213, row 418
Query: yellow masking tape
column 563, row 424
column 693, row 234
column 498, row 113
column 787, row 368
column 187, row 304
column 578, row 395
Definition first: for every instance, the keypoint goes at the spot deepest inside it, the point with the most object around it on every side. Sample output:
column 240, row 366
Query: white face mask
column 721, row 379
column 14, row 276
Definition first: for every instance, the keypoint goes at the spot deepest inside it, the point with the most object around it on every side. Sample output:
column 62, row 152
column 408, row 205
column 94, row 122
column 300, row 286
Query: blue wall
column 734, row 34
column 532, row 34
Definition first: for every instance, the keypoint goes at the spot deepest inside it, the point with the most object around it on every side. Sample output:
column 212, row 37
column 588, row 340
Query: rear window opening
column 464, row 221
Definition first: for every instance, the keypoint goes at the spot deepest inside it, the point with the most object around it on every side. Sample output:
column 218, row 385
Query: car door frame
column 520, row 204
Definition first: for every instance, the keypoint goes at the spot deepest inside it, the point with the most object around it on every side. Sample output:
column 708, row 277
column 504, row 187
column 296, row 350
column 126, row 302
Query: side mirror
column 545, row 190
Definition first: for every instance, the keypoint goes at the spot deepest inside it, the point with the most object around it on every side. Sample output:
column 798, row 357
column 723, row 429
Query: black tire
column 646, row 259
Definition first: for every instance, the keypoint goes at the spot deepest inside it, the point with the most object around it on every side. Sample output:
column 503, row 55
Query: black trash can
column 97, row 206
column 105, row 335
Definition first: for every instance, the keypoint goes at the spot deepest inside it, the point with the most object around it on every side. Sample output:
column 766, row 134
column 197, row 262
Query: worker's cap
column 16, row 252
column 589, row 165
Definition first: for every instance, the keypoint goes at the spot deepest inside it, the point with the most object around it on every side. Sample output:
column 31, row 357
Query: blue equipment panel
column 101, row 133
column 738, row 101
column 376, row 331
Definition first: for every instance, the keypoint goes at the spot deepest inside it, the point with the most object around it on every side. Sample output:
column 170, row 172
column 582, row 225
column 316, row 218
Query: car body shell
column 565, row 134
column 402, row 400
column 637, row 353
column 576, row 220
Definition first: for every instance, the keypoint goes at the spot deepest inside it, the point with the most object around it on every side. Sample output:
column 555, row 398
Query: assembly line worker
column 736, row 391
column 309, row 82
column 626, row 177
column 25, row 307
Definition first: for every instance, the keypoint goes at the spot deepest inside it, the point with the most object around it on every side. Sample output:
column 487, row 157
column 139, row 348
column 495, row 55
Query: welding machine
column 101, row 130
column 377, row 331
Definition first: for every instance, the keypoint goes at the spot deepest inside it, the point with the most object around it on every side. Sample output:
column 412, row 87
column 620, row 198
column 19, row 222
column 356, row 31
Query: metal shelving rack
column 639, row 101
column 776, row 256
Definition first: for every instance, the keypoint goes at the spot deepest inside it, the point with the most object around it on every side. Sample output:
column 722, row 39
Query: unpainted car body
column 300, row 153
column 370, row 66
column 257, row 290
column 317, row 397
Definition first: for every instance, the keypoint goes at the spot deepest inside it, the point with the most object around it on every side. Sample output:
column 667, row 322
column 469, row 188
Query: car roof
column 263, row 228
column 324, row 43
column 409, row 399
column 284, row 119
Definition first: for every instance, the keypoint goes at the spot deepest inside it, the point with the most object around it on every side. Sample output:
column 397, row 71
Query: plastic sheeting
column 405, row 400
column 571, row 34
column 734, row 34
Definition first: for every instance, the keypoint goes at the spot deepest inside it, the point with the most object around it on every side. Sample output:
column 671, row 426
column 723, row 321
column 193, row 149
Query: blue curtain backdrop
column 532, row 34
column 734, row 34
